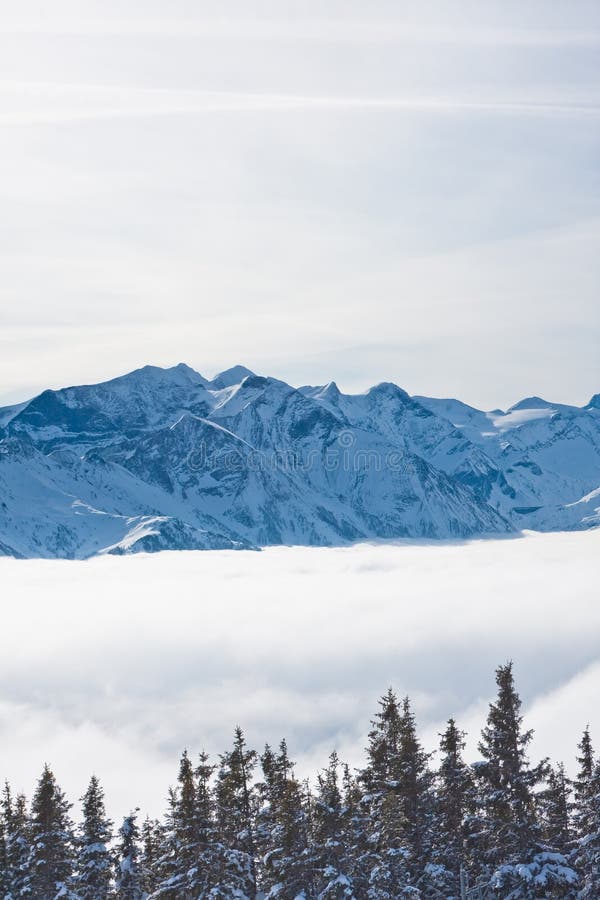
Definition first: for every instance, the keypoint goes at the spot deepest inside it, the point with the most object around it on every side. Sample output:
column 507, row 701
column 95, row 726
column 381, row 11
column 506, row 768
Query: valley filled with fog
column 115, row 664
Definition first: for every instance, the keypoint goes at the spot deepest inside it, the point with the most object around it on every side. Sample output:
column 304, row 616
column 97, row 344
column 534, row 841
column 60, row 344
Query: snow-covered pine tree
column 213, row 856
column 583, row 785
column 520, row 865
column 179, row 852
column 330, row 829
column 16, row 843
column 167, row 870
column 190, row 857
column 587, row 820
column 285, row 864
column 6, row 815
column 455, row 808
column 235, row 817
column 151, row 838
column 186, row 825
column 94, row 864
column 128, row 881
column 555, row 808
column 13, row 814
column 416, row 790
column 354, row 830
column 505, row 779
column 384, row 848
column 267, row 792
column 49, row 868
column 3, row 858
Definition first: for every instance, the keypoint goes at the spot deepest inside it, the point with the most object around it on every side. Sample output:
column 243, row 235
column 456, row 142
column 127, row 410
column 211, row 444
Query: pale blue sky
column 398, row 191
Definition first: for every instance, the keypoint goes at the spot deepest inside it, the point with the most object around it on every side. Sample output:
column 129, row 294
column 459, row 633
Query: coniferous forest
column 409, row 824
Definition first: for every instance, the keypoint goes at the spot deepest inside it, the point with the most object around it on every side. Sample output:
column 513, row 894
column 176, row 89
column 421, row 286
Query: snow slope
column 167, row 459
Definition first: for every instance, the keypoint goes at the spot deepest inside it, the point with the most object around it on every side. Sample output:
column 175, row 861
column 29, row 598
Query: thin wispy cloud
column 124, row 102
column 494, row 24
column 324, row 31
column 318, row 187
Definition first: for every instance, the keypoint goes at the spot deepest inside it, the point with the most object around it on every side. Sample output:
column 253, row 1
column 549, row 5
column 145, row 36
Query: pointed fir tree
column 588, row 847
column 285, row 867
column 128, row 880
column 583, row 785
column 52, row 843
column 330, row 830
column 151, row 838
column 354, row 830
column 3, row 859
column 212, row 854
column 94, row 863
column 513, row 846
column 168, row 871
column 455, row 808
column 555, row 809
column 191, row 858
column 235, row 805
column 16, row 843
column 266, row 806
column 178, row 861
column 186, row 825
column 235, row 816
column 416, row 790
column 506, row 780
column 384, row 861
column 587, row 820
column 6, row 811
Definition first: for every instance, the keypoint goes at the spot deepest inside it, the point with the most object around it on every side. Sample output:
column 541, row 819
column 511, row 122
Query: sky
column 392, row 191
column 100, row 674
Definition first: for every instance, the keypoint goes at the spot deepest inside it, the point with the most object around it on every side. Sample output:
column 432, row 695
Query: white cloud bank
column 114, row 665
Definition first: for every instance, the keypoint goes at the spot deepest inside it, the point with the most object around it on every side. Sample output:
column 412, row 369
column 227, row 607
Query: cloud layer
column 114, row 665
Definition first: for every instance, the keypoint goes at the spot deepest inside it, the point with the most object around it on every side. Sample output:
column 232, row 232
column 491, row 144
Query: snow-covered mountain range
column 165, row 459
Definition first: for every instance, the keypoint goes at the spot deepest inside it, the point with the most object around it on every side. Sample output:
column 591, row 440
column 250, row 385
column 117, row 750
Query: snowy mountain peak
column 329, row 392
column 164, row 459
column 530, row 403
column 594, row 402
column 255, row 381
column 388, row 389
column 189, row 373
column 181, row 373
column 231, row 377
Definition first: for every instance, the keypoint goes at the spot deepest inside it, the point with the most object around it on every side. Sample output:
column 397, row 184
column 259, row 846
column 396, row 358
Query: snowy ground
column 115, row 664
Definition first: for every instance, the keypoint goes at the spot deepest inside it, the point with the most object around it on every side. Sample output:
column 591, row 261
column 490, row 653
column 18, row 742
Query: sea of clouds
column 116, row 664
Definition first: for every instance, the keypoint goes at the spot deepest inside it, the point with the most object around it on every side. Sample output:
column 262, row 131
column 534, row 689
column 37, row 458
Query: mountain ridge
column 168, row 459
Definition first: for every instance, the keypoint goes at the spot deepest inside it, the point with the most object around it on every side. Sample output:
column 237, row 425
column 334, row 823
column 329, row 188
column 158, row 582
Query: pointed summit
column 330, row 392
column 179, row 374
column 230, row 377
column 594, row 402
column 189, row 373
column 531, row 403
column 387, row 389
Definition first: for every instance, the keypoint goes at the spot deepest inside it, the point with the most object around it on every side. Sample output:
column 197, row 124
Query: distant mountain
column 166, row 459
